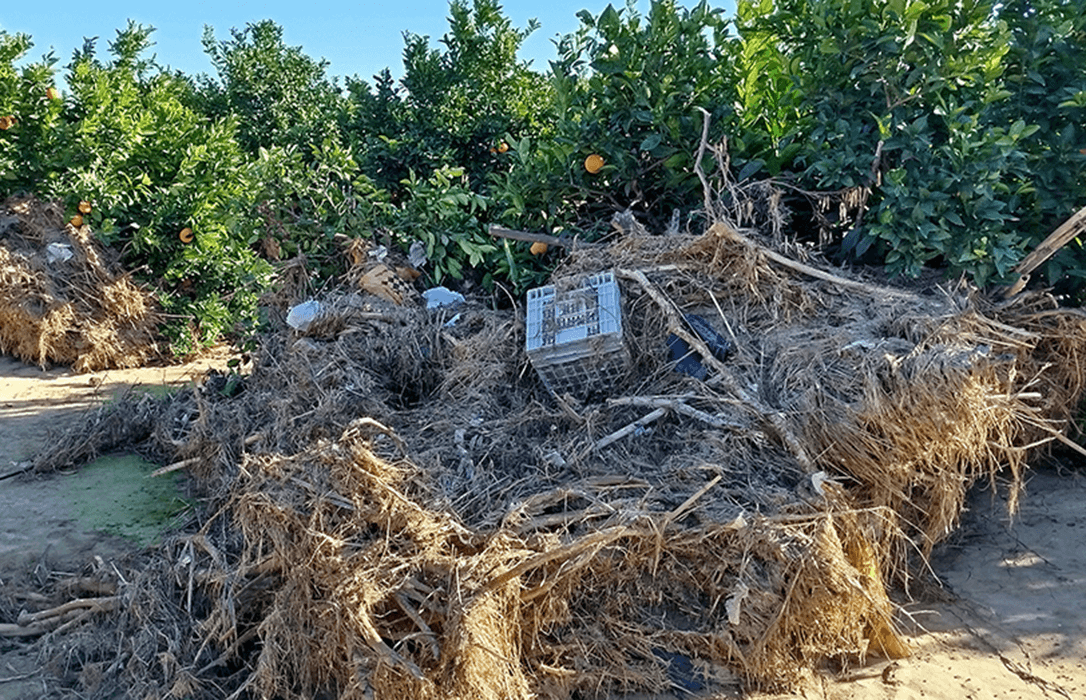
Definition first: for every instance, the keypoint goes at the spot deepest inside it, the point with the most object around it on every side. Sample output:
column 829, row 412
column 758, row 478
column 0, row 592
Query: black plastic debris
column 680, row 671
column 689, row 362
column 686, row 360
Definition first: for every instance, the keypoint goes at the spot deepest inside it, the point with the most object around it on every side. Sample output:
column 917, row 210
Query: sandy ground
column 41, row 538
column 1009, row 621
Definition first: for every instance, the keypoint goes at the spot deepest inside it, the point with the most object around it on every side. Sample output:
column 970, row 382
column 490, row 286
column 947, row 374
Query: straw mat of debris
column 61, row 301
column 395, row 507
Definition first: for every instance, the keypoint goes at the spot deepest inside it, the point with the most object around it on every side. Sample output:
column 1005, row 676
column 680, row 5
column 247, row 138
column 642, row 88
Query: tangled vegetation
column 910, row 133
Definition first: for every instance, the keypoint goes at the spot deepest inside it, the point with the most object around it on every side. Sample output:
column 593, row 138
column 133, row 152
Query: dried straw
column 398, row 509
column 82, row 311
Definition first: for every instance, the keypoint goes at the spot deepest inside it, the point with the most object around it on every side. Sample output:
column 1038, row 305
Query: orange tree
column 627, row 88
column 124, row 139
column 1045, row 85
column 974, row 109
column 915, row 93
column 455, row 106
column 33, row 132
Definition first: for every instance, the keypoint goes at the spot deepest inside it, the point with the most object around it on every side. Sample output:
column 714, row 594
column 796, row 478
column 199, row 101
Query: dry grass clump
column 396, row 508
column 81, row 311
column 355, row 588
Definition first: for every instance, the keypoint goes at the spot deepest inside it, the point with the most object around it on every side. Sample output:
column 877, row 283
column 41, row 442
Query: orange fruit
column 77, row 220
column 593, row 163
column 186, row 235
column 503, row 147
column 52, row 93
column 85, row 207
column 6, row 122
column 538, row 248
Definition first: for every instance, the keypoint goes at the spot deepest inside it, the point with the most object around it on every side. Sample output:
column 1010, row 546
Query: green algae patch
column 115, row 494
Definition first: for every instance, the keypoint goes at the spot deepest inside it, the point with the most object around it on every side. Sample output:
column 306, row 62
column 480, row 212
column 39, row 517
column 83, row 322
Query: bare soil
column 1008, row 622
column 44, row 533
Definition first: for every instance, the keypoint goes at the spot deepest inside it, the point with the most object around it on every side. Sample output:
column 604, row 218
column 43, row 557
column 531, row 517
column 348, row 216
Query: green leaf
column 650, row 142
column 609, row 20
column 749, row 169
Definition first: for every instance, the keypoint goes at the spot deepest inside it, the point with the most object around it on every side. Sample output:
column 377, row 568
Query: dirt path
column 1011, row 622
column 42, row 533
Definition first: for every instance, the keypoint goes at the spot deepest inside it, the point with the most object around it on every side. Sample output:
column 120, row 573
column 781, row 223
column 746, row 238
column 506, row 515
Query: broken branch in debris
column 690, row 501
column 33, row 624
column 528, row 237
column 176, row 466
column 826, row 276
column 624, row 431
column 1068, row 230
column 424, row 628
column 676, row 326
column 96, row 604
column 677, row 405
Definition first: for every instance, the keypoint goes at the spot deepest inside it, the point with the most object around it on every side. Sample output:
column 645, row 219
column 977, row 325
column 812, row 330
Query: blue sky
column 355, row 38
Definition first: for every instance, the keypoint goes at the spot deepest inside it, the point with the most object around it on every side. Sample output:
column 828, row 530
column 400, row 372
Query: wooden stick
column 826, row 276
column 678, row 406
column 401, row 600
column 75, row 620
column 623, row 432
column 32, row 630
column 676, row 326
column 1072, row 228
column 22, row 468
column 501, row 232
column 1068, row 441
column 30, row 596
column 58, row 618
column 96, row 604
column 176, row 466
column 690, row 501
column 706, row 189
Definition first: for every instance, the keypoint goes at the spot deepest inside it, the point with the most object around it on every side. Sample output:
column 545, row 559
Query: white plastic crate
column 574, row 336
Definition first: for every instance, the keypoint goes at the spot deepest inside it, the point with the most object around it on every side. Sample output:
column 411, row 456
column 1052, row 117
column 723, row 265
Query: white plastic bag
column 301, row 316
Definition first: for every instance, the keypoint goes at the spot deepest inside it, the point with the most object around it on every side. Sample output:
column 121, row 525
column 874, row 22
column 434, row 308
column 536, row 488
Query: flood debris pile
column 395, row 507
column 62, row 300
